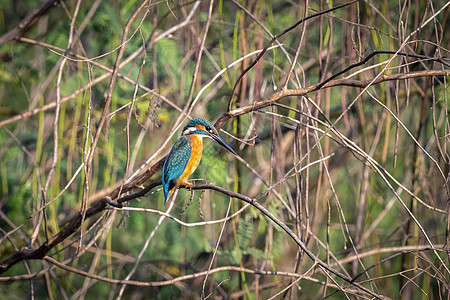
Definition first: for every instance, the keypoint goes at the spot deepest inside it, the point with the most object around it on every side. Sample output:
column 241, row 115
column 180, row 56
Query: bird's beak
column 218, row 139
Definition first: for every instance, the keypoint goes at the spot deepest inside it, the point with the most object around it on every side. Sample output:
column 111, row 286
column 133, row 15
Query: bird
column 185, row 155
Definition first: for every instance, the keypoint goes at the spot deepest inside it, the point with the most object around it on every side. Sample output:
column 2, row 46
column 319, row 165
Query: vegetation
column 338, row 110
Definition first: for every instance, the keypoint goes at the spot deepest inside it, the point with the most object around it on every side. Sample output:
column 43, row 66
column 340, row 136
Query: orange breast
column 196, row 156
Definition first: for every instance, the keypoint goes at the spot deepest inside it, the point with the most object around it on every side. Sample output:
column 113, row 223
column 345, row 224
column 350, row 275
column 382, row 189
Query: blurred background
column 358, row 171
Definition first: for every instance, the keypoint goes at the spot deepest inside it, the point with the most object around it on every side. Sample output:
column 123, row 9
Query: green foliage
column 28, row 83
column 244, row 233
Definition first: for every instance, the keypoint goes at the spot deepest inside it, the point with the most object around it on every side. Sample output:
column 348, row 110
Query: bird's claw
column 188, row 186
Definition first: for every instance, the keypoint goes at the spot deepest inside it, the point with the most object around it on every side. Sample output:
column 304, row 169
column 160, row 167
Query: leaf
column 244, row 232
column 255, row 252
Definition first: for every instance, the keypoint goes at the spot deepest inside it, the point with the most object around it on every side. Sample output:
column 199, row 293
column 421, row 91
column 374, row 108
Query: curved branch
column 170, row 281
column 28, row 21
column 337, row 82
column 366, row 59
column 283, row 226
column 277, row 36
column 64, row 233
column 100, row 205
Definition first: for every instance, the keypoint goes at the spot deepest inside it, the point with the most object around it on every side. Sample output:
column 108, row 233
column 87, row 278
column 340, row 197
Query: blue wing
column 175, row 164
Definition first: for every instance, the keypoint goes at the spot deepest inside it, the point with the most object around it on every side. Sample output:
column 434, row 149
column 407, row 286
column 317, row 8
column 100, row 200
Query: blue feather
column 175, row 164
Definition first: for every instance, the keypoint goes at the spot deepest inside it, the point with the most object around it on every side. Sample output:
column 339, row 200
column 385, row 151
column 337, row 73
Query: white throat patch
column 189, row 130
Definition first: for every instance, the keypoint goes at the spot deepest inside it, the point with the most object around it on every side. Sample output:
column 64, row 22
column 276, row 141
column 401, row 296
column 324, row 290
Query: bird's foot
column 188, row 185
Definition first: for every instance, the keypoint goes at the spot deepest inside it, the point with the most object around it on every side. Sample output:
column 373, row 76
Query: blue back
column 180, row 154
column 175, row 164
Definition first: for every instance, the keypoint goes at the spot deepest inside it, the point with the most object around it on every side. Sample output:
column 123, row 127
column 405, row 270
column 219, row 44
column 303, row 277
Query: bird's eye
column 208, row 128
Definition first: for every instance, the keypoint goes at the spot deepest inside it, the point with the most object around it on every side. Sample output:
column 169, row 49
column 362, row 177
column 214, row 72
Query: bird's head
column 204, row 128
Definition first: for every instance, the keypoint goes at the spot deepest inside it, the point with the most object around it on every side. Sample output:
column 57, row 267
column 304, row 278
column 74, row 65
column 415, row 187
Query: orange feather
column 194, row 161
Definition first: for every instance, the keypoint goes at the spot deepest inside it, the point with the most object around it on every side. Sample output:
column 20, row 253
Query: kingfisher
column 186, row 153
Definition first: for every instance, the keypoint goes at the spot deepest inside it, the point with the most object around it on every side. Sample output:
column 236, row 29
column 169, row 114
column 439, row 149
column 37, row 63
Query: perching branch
column 99, row 206
column 286, row 229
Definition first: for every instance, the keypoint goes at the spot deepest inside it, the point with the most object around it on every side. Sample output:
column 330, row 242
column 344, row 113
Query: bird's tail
column 167, row 195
